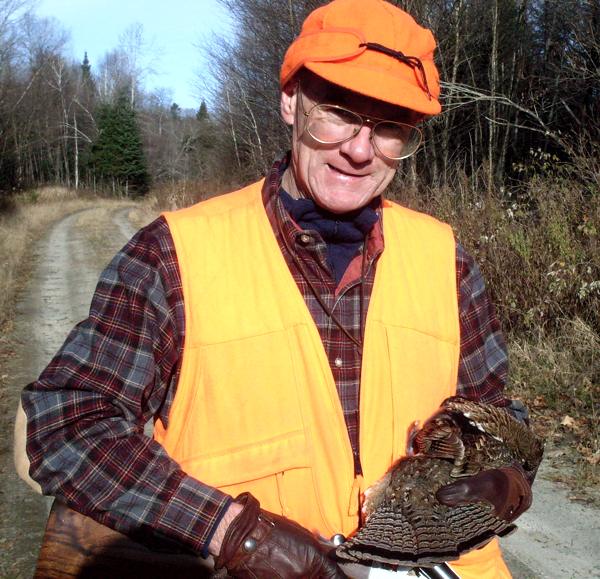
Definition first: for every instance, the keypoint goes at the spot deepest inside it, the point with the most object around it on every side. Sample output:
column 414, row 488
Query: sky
column 171, row 29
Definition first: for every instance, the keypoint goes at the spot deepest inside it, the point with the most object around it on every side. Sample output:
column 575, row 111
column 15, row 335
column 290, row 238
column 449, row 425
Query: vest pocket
column 289, row 493
column 250, row 462
column 237, row 399
column 241, row 428
column 276, row 472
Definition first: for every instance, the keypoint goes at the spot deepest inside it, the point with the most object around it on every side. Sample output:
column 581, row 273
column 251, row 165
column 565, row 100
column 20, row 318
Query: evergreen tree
column 86, row 69
column 87, row 83
column 84, row 119
column 175, row 112
column 202, row 114
column 117, row 159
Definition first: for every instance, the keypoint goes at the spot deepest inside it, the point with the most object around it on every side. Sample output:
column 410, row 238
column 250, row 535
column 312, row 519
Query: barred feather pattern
column 405, row 524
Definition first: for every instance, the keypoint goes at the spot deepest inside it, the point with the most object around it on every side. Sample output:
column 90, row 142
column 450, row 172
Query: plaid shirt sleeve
column 483, row 362
column 116, row 371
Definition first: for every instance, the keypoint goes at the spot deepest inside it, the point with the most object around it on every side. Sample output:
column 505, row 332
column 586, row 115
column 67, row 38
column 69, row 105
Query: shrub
column 538, row 248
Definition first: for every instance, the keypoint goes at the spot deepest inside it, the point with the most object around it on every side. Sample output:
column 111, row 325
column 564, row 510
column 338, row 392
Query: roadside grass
column 557, row 375
column 170, row 196
column 143, row 213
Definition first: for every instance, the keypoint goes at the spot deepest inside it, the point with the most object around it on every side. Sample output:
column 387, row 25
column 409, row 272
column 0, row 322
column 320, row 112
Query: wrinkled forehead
column 320, row 91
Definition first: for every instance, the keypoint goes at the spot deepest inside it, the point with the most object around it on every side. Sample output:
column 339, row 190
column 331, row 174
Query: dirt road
column 68, row 261
column 557, row 537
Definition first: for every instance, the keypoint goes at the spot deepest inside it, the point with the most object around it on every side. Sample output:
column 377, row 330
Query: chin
column 344, row 203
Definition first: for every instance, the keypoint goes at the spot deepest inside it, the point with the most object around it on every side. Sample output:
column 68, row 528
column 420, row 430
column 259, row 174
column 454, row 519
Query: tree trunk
column 449, row 117
column 493, row 85
column 233, row 135
column 76, row 144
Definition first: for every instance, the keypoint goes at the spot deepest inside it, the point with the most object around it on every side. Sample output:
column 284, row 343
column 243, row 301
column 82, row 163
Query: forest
column 521, row 94
column 513, row 161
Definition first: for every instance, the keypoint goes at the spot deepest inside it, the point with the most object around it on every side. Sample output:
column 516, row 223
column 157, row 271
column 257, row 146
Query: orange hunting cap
column 370, row 47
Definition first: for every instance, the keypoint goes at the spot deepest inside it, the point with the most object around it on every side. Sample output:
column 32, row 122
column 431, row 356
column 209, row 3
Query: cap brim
column 377, row 84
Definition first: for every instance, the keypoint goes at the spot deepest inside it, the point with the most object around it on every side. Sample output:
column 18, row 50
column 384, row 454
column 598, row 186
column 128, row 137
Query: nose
column 360, row 147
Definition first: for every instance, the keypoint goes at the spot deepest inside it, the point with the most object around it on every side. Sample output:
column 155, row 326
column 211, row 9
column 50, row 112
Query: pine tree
column 87, row 84
column 86, row 69
column 202, row 114
column 175, row 112
column 117, row 159
column 83, row 120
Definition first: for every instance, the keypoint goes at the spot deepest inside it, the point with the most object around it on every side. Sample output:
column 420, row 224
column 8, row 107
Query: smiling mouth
column 345, row 173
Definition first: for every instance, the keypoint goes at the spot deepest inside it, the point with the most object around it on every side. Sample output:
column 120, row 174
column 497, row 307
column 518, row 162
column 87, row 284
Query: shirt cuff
column 192, row 514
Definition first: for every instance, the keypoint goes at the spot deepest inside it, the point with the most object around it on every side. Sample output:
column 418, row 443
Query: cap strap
column 412, row 61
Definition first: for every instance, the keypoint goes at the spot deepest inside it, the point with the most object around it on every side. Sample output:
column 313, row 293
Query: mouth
column 346, row 174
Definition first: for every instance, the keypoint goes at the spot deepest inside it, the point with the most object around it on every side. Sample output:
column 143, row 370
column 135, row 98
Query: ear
column 288, row 103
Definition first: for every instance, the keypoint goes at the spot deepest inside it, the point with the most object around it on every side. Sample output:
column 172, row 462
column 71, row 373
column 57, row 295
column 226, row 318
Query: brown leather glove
column 506, row 489
column 259, row 544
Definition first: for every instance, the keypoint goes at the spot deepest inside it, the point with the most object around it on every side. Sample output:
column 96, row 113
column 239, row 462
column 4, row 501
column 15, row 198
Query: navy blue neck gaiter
column 342, row 233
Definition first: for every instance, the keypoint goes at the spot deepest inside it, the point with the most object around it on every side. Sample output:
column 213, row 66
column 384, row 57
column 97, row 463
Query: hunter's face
column 343, row 176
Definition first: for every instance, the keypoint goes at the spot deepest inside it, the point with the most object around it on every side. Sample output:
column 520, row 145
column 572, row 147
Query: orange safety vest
column 256, row 407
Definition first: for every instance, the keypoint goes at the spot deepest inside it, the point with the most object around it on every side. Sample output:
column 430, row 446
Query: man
column 283, row 337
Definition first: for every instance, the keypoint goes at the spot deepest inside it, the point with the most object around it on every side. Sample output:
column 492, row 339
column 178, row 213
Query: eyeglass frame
column 368, row 121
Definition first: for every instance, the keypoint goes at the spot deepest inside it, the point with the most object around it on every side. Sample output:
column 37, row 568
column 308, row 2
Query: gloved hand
column 506, row 489
column 260, row 544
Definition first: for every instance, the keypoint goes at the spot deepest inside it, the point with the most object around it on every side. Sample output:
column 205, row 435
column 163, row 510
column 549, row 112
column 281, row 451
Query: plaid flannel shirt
column 118, row 369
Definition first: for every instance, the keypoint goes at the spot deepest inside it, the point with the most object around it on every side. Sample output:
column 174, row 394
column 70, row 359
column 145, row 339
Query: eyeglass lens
column 332, row 124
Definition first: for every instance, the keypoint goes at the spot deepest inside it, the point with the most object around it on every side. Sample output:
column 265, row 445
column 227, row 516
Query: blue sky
column 170, row 28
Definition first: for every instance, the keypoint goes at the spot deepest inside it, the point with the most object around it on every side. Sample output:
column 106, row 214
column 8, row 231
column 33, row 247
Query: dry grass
column 170, row 196
column 558, row 376
column 538, row 248
column 142, row 214
column 53, row 194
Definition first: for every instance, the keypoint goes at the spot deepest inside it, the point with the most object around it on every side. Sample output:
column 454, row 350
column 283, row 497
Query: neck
column 288, row 182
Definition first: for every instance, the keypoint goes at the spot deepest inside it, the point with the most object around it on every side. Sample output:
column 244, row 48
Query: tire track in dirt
column 67, row 263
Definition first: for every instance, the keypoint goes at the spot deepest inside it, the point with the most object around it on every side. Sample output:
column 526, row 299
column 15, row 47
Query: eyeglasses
column 333, row 124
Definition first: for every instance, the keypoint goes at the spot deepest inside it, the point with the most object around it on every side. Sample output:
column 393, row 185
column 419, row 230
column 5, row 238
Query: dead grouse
column 405, row 524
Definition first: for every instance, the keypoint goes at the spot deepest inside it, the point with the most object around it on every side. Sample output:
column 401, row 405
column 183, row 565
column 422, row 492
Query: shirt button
column 305, row 239
column 338, row 362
